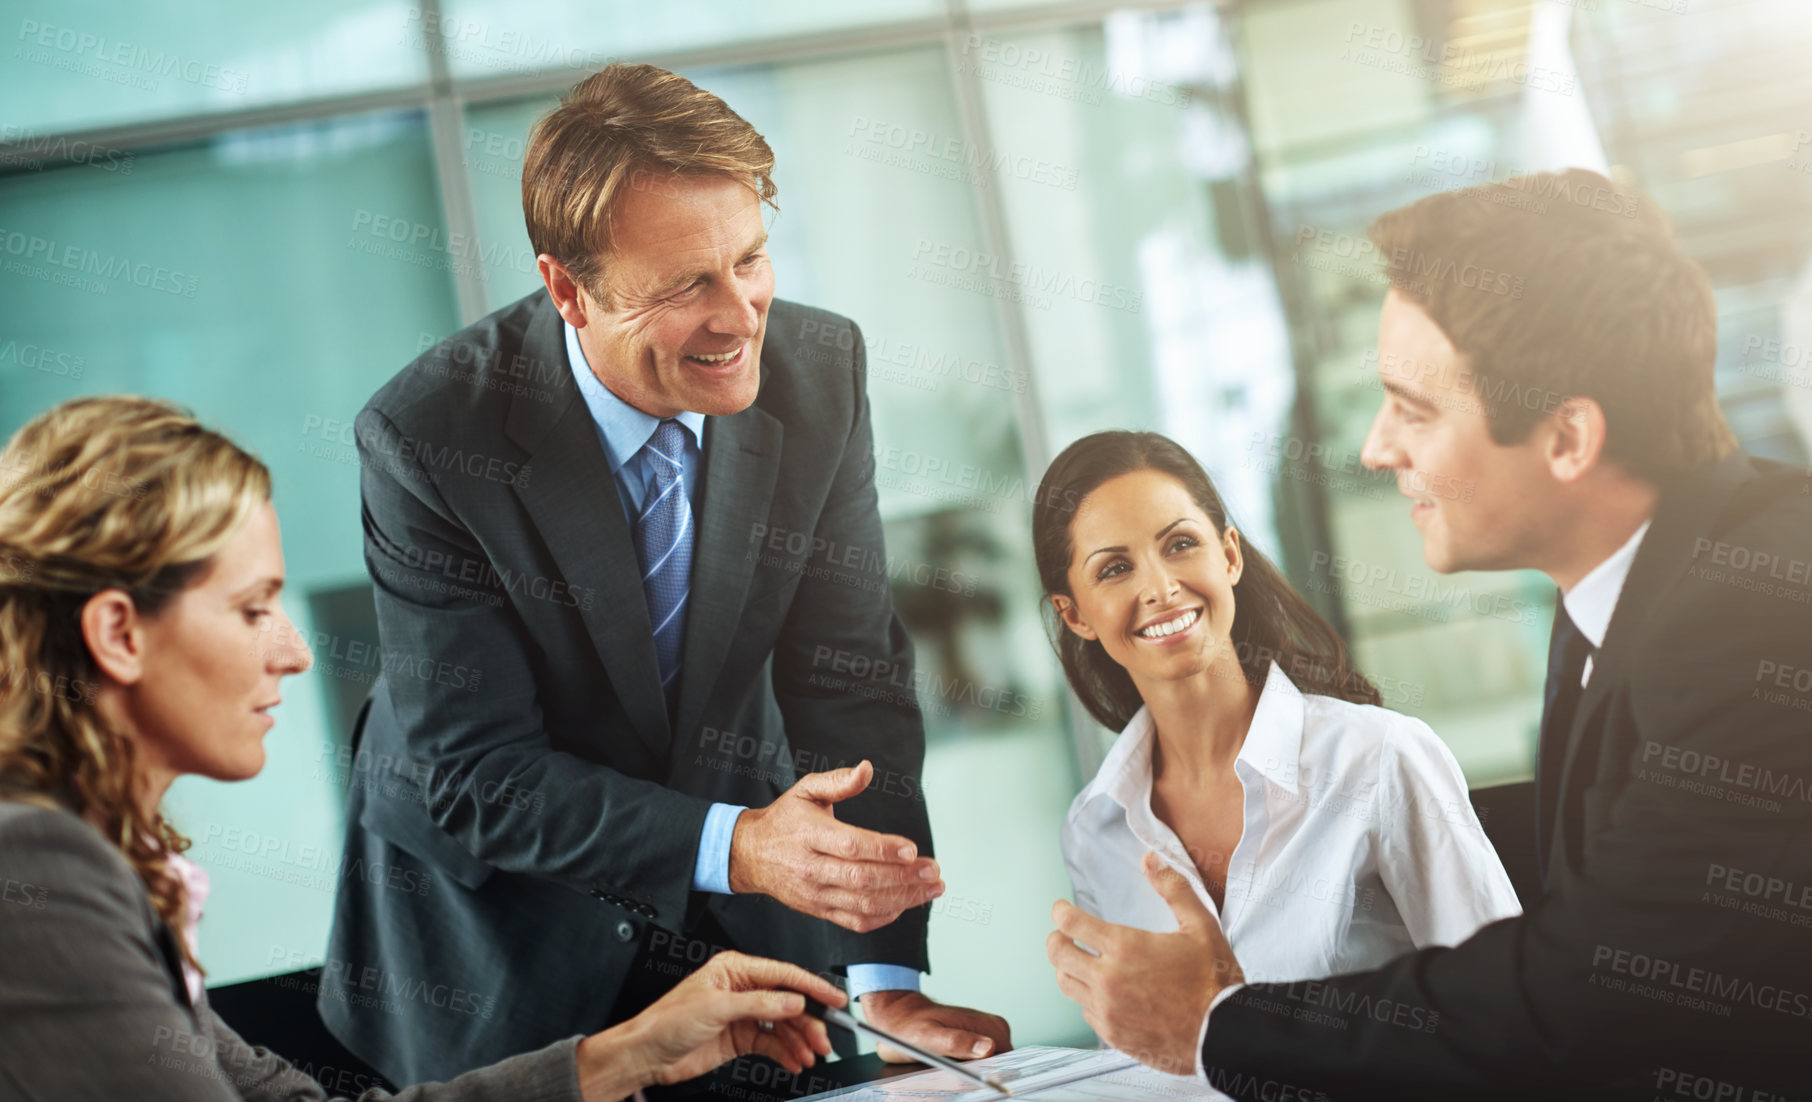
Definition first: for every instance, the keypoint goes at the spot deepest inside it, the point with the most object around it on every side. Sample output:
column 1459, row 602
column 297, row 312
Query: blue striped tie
column 663, row 535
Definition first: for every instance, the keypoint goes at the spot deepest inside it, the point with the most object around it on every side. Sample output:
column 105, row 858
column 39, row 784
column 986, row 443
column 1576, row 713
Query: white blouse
column 1359, row 844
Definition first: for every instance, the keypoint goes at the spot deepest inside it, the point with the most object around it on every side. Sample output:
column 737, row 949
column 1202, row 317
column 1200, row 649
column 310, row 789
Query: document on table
column 1047, row 1074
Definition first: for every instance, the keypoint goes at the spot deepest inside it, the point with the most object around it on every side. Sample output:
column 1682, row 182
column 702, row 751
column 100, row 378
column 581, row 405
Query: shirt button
column 625, row 932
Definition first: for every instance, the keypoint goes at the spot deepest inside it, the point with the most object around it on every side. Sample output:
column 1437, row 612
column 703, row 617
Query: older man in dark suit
column 591, row 520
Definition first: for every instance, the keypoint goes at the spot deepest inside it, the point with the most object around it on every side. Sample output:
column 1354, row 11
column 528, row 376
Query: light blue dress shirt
column 623, row 430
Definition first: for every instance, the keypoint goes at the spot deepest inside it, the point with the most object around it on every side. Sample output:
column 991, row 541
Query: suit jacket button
column 625, row 932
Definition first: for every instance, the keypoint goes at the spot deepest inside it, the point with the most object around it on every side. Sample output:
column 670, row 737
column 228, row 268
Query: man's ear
column 1236, row 555
column 1071, row 616
column 1575, row 439
column 115, row 634
column 569, row 298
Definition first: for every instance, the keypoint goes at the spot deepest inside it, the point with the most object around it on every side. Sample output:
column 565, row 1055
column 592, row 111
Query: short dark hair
column 1559, row 285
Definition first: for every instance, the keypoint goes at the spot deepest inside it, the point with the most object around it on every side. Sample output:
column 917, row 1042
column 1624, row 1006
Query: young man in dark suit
column 1547, row 351
column 629, row 717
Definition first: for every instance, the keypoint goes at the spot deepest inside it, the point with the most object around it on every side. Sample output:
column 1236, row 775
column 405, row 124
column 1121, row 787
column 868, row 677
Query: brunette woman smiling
column 141, row 639
column 1326, row 833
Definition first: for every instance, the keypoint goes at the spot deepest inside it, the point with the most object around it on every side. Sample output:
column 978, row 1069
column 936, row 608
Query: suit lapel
column 167, row 948
column 1686, row 510
column 742, row 460
column 576, row 509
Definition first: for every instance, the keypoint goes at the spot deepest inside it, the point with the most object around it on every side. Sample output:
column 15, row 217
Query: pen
column 843, row 1019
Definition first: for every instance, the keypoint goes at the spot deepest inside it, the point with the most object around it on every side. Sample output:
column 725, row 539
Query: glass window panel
column 1003, row 5
column 491, row 147
column 1466, row 652
column 1306, row 78
column 108, row 62
column 1123, row 174
column 499, row 37
column 243, row 279
column 1704, row 107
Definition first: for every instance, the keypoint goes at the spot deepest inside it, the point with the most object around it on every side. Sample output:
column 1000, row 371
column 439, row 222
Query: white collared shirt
column 1593, row 598
column 1360, row 843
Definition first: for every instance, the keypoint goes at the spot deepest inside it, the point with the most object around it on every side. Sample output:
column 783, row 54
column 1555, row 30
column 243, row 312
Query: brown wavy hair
column 1271, row 621
column 98, row 494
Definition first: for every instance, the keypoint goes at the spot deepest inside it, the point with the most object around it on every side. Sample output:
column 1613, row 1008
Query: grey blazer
column 523, row 813
column 93, row 1004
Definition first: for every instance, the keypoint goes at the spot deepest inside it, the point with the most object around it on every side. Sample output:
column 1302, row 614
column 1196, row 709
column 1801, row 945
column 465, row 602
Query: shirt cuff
column 711, row 873
column 1201, row 1040
column 867, row 978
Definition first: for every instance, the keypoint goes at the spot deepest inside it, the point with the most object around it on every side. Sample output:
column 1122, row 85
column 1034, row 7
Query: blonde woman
column 141, row 639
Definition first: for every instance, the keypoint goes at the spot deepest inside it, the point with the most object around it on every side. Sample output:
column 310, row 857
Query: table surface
column 756, row 1079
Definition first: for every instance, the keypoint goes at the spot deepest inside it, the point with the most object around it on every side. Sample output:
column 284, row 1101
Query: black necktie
column 1568, row 650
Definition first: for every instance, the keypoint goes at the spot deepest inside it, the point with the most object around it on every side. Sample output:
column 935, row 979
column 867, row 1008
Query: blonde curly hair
column 100, row 493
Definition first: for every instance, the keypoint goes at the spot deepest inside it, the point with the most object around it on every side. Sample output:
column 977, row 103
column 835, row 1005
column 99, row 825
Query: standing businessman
column 1546, row 350
column 589, row 520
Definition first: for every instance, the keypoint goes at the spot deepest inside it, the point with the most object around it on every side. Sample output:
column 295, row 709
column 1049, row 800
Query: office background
column 1048, row 218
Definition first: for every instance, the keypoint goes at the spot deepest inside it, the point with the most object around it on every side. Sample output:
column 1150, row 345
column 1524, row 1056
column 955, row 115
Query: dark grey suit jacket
column 1671, row 950
column 517, row 757
column 93, row 1004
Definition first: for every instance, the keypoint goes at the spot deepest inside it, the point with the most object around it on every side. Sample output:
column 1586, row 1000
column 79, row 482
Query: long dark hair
column 1271, row 621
